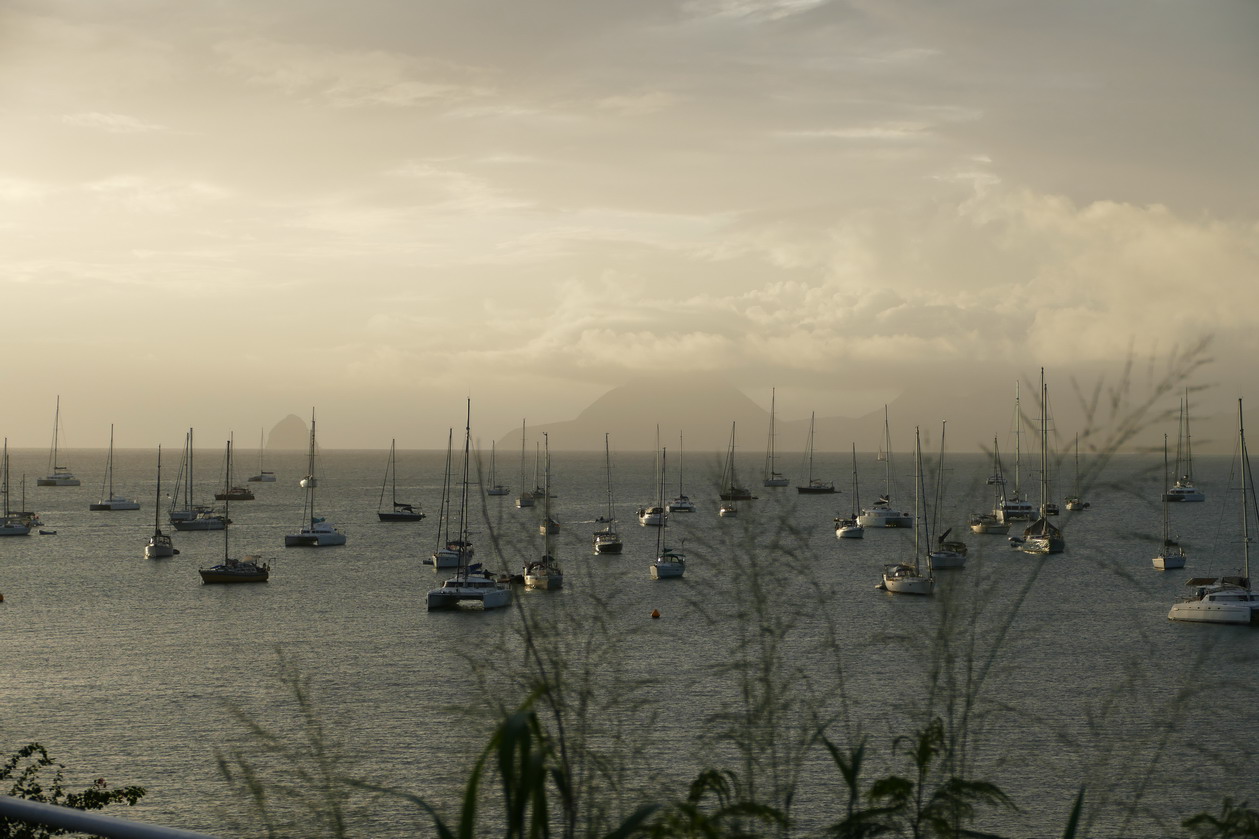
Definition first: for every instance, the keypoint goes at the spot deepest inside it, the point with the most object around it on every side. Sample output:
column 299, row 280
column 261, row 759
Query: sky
column 218, row 214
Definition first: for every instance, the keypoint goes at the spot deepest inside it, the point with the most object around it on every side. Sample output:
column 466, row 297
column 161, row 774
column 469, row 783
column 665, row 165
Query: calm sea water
column 129, row 668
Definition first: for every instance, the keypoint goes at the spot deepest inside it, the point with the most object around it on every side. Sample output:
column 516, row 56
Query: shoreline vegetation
column 560, row 717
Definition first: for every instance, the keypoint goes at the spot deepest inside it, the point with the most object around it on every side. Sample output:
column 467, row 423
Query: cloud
column 349, row 78
column 111, row 123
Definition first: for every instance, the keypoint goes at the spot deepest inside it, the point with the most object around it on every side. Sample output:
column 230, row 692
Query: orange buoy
column 655, row 613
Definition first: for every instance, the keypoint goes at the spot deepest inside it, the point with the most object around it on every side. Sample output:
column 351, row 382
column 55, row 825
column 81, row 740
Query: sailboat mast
column 1247, row 479
column 1188, row 446
column 463, row 496
column 1044, row 443
column 919, row 501
column 157, row 496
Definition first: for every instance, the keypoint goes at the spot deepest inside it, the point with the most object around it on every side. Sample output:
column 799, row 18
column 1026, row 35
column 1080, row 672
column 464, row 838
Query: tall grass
column 787, row 748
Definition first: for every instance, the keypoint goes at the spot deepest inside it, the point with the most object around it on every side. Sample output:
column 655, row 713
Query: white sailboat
column 731, row 490
column 1226, row 599
column 881, row 513
column 993, row 524
column 109, row 500
column 495, row 487
column 946, row 554
column 451, row 552
column 655, row 515
column 11, row 524
column 397, row 511
column 682, row 503
column 1041, row 536
column 847, row 527
column 606, row 538
column 669, row 563
column 1075, row 501
column 545, row 573
column 160, row 545
column 315, row 531
column 525, row 498
column 230, row 491
column 1183, row 489
column 58, row 475
column 471, row 582
column 812, row 485
column 189, row 515
column 1015, row 506
column 1170, row 554
column 772, row 477
column 908, row 577
column 263, row 476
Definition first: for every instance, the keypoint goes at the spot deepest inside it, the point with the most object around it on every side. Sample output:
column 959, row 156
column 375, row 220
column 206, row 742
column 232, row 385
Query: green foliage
column 25, row 775
column 1236, row 821
column 927, row 802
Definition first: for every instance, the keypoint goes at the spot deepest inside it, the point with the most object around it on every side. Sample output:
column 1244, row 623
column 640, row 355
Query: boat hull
column 816, row 489
column 1169, row 561
column 453, row 595
column 314, row 539
column 400, row 516
column 1207, row 612
column 234, row 571
column 114, row 504
column 885, row 518
column 58, row 481
column 1184, row 494
column 207, row 523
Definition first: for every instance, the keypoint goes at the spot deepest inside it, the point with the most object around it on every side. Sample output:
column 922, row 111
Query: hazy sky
column 220, row 213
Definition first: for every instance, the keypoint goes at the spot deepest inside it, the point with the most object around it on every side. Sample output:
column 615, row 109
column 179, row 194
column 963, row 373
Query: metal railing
column 96, row 824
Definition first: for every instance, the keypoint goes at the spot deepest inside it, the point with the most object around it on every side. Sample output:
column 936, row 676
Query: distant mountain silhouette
column 702, row 409
column 289, row 433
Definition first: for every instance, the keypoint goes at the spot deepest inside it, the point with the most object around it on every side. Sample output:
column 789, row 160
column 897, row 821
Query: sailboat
column 1170, row 554
column 315, row 532
column 947, row 554
column 545, row 573
column 471, row 583
column 992, row 523
column 1075, row 502
column 1041, row 536
column 655, row 515
column 110, row 501
column 772, row 477
column 525, row 499
column 668, row 563
column 495, row 487
column 682, row 502
column 263, row 476
column 11, row 524
column 398, row 511
column 907, row 577
column 1226, row 599
column 730, row 488
column 247, row 570
column 160, row 545
column 191, row 516
column 881, row 513
column 814, row 486
column 846, row 527
column 450, row 553
column 230, row 491
column 1183, row 489
column 606, row 539
column 58, row 475
column 1015, row 506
